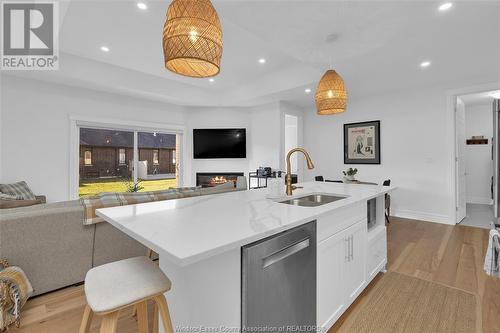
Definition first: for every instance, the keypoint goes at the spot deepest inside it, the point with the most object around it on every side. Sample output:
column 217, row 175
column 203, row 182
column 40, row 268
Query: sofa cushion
column 18, row 189
column 49, row 242
column 91, row 203
column 5, row 204
column 5, row 196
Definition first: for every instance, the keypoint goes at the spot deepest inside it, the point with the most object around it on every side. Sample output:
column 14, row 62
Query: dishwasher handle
column 285, row 252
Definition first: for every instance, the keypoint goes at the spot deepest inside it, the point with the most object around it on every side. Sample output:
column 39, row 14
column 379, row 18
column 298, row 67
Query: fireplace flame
column 218, row 180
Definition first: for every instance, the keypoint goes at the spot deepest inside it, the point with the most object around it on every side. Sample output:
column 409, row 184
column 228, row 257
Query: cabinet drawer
column 377, row 251
column 330, row 224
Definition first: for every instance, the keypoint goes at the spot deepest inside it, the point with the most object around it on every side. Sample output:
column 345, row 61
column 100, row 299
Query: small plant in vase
column 349, row 175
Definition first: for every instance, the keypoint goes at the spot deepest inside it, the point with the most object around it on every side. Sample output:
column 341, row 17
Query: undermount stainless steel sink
column 313, row 200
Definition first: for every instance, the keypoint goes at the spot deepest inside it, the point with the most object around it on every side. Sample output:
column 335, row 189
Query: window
column 87, row 158
column 155, row 157
column 113, row 160
column 173, row 156
column 121, row 156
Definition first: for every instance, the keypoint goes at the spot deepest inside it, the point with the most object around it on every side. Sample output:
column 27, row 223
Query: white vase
column 348, row 179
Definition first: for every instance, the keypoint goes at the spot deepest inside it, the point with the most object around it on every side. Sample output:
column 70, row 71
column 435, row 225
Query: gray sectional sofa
column 55, row 249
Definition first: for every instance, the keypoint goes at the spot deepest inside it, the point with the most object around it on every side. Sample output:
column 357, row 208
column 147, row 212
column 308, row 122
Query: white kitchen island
column 199, row 242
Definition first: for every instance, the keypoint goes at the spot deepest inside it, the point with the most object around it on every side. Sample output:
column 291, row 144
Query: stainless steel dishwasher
column 278, row 286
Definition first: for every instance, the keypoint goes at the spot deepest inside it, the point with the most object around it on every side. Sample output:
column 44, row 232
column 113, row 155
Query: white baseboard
column 480, row 200
column 423, row 216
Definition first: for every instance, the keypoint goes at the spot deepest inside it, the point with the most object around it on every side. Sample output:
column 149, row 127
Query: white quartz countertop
column 192, row 229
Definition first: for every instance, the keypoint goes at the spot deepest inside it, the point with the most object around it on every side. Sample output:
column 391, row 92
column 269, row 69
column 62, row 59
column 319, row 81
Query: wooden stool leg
column 109, row 322
column 155, row 318
column 86, row 320
column 164, row 313
column 142, row 316
column 134, row 311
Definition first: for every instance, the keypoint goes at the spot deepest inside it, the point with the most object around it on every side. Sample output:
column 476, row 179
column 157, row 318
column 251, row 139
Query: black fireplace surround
column 211, row 179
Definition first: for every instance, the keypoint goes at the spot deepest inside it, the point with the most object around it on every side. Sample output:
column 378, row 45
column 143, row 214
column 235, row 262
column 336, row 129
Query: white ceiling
column 377, row 47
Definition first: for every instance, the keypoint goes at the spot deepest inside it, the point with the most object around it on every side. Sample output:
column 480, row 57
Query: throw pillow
column 5, row 196
column 18, row 189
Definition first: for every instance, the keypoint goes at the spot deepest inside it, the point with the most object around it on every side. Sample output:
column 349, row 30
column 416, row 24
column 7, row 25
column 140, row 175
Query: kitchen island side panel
column 205, row 295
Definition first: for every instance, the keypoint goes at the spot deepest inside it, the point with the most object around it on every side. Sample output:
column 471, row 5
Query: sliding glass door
column 126, row 160
column 156, row 168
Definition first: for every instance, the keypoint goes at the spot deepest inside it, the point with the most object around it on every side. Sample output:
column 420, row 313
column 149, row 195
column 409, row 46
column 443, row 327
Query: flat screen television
column 219, row 143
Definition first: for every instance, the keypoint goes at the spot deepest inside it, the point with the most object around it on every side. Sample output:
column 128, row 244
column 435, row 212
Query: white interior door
column 460, row 160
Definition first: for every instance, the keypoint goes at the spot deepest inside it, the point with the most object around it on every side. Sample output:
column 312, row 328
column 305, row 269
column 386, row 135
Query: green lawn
column 92, row 187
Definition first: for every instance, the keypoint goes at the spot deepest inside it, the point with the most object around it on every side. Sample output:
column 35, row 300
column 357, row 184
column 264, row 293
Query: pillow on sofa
column 18, row 189
column 4, row 196
column 5, row 204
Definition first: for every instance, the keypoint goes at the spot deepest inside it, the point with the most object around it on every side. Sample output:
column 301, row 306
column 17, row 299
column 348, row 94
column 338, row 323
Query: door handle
column 346, row 243
column 352, row 247
column 285, row 252
column 349, row 239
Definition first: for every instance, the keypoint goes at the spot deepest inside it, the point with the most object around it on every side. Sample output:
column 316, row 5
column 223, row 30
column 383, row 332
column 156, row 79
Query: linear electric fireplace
column 211, row 179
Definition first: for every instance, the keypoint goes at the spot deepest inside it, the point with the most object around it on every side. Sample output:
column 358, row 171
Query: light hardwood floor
column 451, row 255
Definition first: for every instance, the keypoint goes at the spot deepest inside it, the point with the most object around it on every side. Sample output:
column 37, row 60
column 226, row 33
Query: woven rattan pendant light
column 331, row 95
column 192, row 38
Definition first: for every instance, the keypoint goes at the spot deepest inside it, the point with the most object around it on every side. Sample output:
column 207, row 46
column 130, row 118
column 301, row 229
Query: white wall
column 292, row 110
column 264, row 137
column 265, row 121
column 35, row 128
column 291, row 138
column 35, row 131
column 217, row 118
column 414, row 149
column 479, row 166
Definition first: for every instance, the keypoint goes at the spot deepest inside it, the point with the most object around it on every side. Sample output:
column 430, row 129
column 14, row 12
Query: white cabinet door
column 376, row 256
column 355, row 270
column 331, row 296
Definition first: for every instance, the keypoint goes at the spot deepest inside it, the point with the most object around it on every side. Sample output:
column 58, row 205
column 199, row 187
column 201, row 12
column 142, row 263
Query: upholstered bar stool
column 118, row 285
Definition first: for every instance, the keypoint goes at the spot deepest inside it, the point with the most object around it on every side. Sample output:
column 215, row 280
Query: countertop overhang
column 192, row 229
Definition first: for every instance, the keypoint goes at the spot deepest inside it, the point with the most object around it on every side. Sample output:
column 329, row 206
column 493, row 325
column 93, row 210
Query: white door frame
column 451, row 97
column 77, row 121
column 300, row 139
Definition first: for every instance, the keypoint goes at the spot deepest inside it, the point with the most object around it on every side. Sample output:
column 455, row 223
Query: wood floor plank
column 447, row 271
column 466, row 272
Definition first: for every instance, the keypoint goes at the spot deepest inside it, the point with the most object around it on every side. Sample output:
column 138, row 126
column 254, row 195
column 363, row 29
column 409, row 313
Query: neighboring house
column 108, row 153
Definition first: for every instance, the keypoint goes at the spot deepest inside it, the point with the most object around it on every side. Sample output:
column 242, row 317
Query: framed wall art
column 362, row 143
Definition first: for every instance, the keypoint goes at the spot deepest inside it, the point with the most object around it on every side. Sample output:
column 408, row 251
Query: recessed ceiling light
column 142, row 6
column 262, row 61
column 211, row 80
column 495, row 94
column 445, row 6
column 307, row 90
column 104, row 48
column 425, row 64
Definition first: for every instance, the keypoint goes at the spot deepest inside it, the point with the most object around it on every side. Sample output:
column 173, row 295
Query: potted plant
column 133, row 187
column 349, row 175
